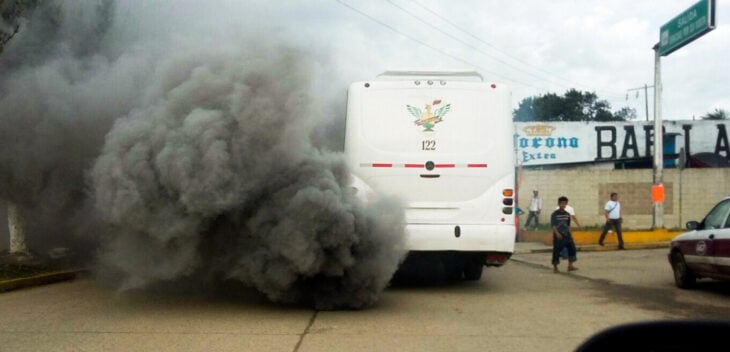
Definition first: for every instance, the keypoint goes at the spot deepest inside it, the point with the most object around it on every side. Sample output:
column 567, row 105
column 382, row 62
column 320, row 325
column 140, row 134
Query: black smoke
column 188, row 158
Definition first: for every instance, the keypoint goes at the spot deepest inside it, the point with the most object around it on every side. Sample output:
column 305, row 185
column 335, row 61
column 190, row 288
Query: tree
column 17, row 231
column 718, row 114
column 17, row 225
column 10, row 13
column 525, row 111
column 625, row 113
column 573, row 106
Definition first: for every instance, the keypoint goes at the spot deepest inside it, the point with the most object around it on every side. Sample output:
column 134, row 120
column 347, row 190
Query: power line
column 646, row 96
column 452, row 56
column 430, row 46
column 461, row 41
column 434, row 13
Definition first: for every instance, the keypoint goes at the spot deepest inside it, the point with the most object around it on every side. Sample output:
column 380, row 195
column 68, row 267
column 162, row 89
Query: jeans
column 565, row 242
column 616, row 224
column 532, row 216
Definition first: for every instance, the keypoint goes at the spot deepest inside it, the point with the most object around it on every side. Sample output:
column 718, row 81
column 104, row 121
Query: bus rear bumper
column 469, row 238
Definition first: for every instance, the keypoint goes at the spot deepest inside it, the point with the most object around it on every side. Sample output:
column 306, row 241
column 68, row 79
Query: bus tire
column 473, row 269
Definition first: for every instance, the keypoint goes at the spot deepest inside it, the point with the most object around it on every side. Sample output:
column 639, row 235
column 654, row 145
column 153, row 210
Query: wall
column 589, row 189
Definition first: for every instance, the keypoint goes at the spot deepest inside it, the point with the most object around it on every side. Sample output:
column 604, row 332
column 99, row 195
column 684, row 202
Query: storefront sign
column 580, row 142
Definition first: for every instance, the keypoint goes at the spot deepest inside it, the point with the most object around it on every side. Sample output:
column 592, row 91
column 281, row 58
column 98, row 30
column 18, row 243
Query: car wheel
column 683, row 277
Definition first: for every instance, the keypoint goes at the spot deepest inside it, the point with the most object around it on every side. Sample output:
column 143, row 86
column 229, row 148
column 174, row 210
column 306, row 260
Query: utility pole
column 646, row 97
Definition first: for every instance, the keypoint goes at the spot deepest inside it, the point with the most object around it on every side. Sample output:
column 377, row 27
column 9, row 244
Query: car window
column 717, row 217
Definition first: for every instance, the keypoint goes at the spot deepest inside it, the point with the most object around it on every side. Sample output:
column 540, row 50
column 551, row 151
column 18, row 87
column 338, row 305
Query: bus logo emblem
column 428, row 118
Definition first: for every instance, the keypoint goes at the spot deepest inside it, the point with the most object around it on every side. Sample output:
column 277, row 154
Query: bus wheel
column 473, row 269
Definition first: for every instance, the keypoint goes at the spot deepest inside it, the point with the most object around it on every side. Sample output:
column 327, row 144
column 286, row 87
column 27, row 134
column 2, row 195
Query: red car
column 703, row 251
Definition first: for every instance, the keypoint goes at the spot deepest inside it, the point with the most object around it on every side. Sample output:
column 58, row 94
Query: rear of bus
column 443, row 143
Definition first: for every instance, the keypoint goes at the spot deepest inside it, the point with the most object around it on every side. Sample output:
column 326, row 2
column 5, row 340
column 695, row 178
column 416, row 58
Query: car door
column 721, row 244
column 709, row 248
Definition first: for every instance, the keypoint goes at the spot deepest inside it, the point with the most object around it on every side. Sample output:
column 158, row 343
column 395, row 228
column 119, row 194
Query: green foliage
column 718, row 114
column 573, row 106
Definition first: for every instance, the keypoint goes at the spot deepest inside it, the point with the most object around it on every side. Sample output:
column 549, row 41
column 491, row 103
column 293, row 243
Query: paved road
column 522, row 306
column 643, row 278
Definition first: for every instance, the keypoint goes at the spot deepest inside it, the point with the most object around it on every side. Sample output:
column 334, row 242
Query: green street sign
column 688, row 26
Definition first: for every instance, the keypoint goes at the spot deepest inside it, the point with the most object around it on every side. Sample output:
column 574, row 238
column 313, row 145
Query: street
column 522, row 306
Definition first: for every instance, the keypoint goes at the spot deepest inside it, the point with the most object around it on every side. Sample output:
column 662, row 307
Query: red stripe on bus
column 445, row 165
column 382, row 165
column 476, row 165
column 415, row 165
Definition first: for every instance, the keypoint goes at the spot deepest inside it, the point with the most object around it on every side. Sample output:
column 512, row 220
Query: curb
column 36, row 280
column 597, row 248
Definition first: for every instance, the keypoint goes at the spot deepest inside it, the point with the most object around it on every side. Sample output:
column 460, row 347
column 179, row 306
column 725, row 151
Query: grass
column 16, row 271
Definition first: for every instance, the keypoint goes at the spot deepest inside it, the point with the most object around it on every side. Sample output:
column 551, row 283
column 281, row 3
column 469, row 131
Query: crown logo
column 539, row 130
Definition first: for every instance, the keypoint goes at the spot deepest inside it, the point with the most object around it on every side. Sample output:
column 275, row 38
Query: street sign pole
column 689, row 25
column 658, row 138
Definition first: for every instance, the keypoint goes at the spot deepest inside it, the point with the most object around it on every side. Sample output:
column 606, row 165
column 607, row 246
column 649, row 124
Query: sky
column 536, row 47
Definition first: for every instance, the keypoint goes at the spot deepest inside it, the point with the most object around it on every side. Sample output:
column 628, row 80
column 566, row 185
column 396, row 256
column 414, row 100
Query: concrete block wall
column 589, row 189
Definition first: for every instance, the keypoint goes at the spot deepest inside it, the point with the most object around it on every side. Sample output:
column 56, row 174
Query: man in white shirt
column 613, row 219
column 535, row 208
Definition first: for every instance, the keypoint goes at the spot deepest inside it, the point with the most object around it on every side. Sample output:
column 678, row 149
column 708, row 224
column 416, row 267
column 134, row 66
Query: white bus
column 441, row 141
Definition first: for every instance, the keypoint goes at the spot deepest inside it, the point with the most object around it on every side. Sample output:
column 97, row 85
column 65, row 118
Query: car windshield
column 717, row 218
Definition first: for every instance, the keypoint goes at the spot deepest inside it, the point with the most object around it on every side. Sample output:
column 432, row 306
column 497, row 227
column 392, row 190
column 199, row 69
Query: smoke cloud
column 182, row 158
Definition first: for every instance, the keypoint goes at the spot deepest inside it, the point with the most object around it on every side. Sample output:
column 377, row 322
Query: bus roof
column 461, row 75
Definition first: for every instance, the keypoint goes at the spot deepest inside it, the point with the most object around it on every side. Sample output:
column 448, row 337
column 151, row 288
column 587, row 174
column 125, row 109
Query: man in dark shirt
column 562, row 238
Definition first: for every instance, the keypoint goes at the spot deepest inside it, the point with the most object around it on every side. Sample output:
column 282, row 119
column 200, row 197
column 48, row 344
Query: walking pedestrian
column 562, row 237
column 613, row 219
column 571, row 211
column 534, row 211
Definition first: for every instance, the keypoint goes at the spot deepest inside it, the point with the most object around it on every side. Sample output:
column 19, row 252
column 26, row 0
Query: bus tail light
column 508, row 201
column 496, row 259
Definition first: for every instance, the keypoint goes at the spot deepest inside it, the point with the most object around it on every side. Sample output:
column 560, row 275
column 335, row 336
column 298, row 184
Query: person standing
column 535, row 208
column 518, row 212
column 562, row 237
column 613, row 219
